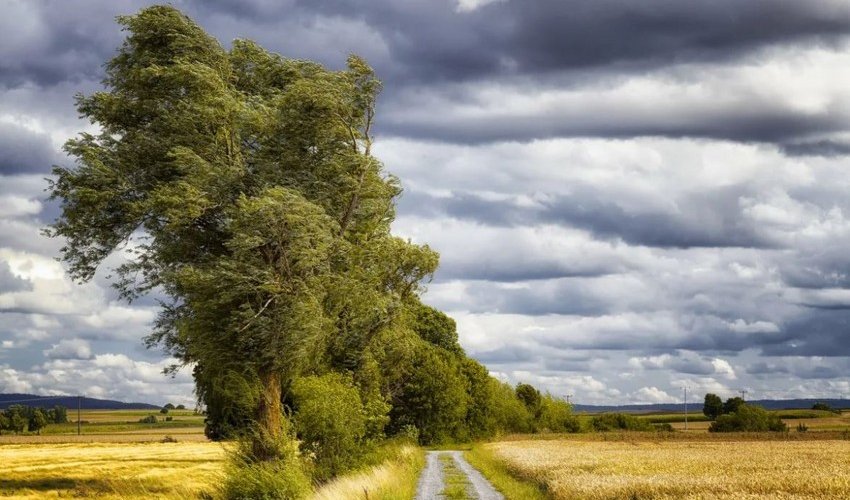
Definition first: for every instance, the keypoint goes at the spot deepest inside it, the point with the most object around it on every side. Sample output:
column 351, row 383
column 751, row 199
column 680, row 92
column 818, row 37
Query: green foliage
column 432, row 396
column 619, row 421
column 732, row 404
column 556, row 416
column 5, row 424
column 713, row 406
column 509, row 413
column 181, row 407
column 825, row 407
column 435, row 327
column 168, row 406
column 37, row 420
column 58, row 415
column 748, row 418
column 150, row 419
column 530, row 397
column 283, row 478
column 330, row 421
column 164, row 411
column 265, row 217
column 801, row 427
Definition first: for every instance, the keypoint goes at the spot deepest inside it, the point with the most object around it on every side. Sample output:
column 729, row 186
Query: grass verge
column 498, row 473
column 394, row 478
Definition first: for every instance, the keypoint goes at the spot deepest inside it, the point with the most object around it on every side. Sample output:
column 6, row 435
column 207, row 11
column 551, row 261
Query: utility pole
column 567, row 397
column 79, row 422
column 686, row 407
column 743, row 394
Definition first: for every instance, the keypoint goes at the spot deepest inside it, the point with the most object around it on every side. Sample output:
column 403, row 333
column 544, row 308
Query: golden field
column 109, row 470
column 668, row 469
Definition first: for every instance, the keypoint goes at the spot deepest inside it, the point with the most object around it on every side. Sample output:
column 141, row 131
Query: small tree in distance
column 713, row 406
column 732, row 404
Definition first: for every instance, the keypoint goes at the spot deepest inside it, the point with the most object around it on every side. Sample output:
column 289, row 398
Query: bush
column 556, row 416
column 169, row 419
column 284, row 478
column 272, row 480
column 150, row 419
column 168, row 439
column 801, row 427
column 748, row 418
column 330, row 421
column 825, row 407
column 164, row 411
column 620, row 421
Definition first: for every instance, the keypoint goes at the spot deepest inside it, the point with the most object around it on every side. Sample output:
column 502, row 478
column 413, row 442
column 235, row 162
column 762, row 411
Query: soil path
column 432, row 481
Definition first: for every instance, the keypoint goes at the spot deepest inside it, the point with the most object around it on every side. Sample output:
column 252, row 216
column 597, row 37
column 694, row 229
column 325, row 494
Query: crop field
column 667, row 469
column 110, row 470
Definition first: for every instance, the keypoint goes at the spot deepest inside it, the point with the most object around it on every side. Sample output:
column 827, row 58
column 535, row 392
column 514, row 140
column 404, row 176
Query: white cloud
column 69, row 349
column 650, row 395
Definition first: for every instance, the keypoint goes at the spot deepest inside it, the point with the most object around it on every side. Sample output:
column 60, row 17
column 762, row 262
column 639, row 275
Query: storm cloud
column 629, row 198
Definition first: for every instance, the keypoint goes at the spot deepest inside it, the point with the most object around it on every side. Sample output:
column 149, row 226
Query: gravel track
column 432, row 481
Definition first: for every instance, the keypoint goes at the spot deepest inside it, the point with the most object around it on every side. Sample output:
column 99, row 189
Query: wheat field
column 109, row 470
column 576, row 469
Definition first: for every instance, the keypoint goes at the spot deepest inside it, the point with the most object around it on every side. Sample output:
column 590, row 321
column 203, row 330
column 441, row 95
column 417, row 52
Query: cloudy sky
column 628, row 197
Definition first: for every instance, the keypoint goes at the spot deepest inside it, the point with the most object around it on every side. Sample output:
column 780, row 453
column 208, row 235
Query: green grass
column 457, row 484
column 497, row 472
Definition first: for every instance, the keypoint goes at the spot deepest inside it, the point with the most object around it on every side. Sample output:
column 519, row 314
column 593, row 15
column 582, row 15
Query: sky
column 629, row 198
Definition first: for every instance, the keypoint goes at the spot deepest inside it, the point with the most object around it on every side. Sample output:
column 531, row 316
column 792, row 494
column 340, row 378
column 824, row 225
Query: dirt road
column 448, row 474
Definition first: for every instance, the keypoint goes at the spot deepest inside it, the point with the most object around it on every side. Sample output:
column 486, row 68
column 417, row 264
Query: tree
column 4, row 423
column 530, row 397
column 168, row 406
column 37, row 420
column 16, row 415
column 264, row 216
column 58, row 415
column 713, row 406
column 732, row 404
column 181, row 407
column 748, row 418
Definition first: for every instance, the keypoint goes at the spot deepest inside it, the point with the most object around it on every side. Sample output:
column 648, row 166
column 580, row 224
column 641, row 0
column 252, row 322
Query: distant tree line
column 20, row 418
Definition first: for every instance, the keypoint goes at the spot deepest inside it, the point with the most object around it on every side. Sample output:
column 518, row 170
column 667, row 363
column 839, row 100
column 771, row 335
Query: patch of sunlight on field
column 109, row 470
column 572, row 469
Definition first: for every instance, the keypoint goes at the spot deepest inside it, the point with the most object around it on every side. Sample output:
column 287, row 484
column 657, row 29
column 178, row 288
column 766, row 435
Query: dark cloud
column 11, row 283
column 23, row 151
column 820, row 332
column 710, row 218
column 433, row 41
column 826, row 147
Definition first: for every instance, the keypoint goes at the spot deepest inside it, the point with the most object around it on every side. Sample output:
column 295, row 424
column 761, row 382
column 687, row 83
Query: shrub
column 284, row 478
column 169, row 419
column 330, row 421
column 168, row 439
column 801, row 427
column 825, row 407
column 164, row 411
column 620, row 421
column 748, row 419
column 150, row 419
column 556, row 416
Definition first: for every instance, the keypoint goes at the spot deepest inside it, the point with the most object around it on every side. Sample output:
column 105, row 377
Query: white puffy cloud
column 69, row 349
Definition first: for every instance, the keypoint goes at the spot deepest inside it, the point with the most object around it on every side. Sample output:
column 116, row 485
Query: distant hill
column 70, row 402
column 696, row 406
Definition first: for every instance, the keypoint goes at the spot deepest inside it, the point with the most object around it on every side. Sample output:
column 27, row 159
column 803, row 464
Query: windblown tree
column 244, row 185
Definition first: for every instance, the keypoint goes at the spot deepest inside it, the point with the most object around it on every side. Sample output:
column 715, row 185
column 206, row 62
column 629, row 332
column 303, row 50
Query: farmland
column 590, row 468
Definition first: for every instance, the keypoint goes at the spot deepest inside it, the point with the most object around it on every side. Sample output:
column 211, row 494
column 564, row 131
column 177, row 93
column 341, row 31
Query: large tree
column 244, row 185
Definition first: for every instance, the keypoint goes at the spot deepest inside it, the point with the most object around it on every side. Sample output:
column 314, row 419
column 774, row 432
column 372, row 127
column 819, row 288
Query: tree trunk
column 267, row 441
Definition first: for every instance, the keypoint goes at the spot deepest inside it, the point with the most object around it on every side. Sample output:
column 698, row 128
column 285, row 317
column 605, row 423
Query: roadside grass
column 456, row 483
column 393, row 477
column 502, row 477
